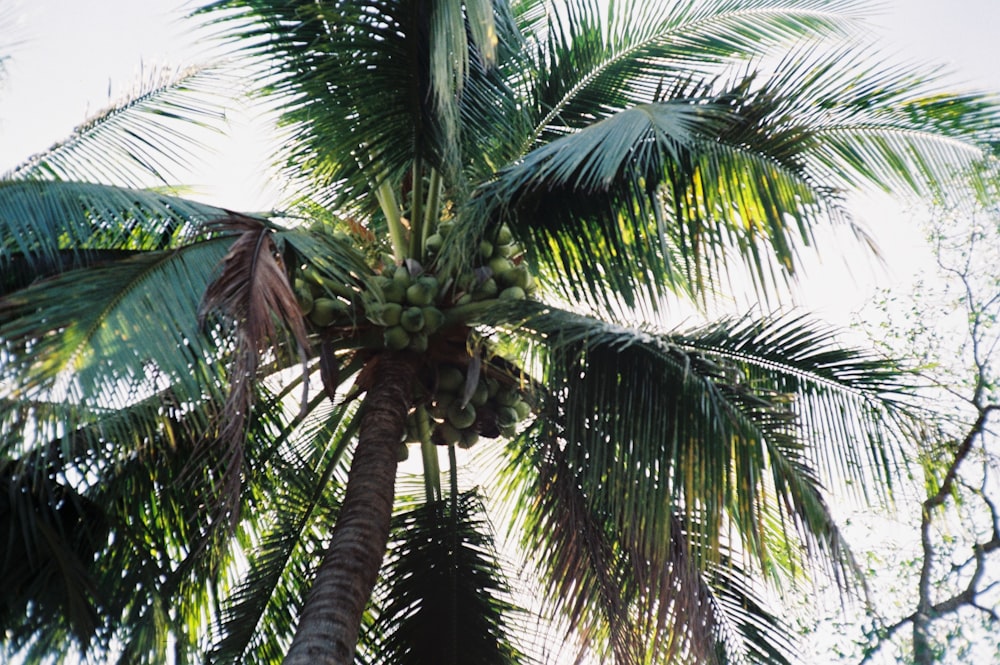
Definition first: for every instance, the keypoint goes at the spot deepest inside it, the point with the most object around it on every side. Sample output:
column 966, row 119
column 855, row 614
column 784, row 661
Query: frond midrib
column 626, row 53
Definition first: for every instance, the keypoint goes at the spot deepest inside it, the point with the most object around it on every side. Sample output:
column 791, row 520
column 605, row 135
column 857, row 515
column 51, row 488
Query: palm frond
column 664, row 195
column 666, row 422
column 291, row 507
column 118, row 479
column 443, row 595
column 50, row 227
column 689, row 606
column 344, row 142
column 142, row 139
column 254, row 296
column 114, row 332
column 595, row 59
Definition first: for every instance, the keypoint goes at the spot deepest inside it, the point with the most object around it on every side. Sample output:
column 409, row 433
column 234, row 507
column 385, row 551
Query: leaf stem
column 417, row 209
column 428, row 451
column 390, row 208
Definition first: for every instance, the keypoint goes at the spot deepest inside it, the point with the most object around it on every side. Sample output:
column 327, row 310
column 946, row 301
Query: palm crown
column 485, row 198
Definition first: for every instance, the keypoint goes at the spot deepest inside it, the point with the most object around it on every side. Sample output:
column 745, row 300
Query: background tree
column 936, row 566
column 444, row 162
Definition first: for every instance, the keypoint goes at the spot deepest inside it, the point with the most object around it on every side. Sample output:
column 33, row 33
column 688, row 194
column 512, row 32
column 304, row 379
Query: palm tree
column 492, row 209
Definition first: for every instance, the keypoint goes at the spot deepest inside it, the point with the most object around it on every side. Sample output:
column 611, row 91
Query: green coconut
column 419, row 342
column 518, row 276
column 433, row 319
column 507, row 416
column 480, row 394
column 507, row 396
column 523, row 409
column 396, row 338
column 326, row 310
column 421, row 293
column 450, row 379
column 461, row 416
column 468, row 439
column 442, row 403
column 434, row 243
column 504, row 235
column 487, row 289
column 500, row 265
column 304, row 297
column 485, row 250
column 412, row 319
column 449, row 433
column 512, row 293
column 394, row 292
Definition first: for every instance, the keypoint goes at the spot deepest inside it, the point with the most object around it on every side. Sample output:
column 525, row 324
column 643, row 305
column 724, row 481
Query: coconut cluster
column 462, row 411
column 322, row 300
column 501, row 272
column 405, row 304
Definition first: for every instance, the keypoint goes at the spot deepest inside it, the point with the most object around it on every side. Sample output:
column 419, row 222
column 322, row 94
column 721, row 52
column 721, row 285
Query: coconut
column 394, row 292
column 446, row 434
column 480, row 394
column 444, row 228
column 461, row 417
column 507, row 396
column 523, row 409
column 401, row 274
column 500, row 265
column 450, row 379
column 513, row 293
column 412, row 319
column 422, row 292
column 418, row 342
column 487, row 289
column 485, row 250
column 326, row 310
column 396, row 338
column 442, row 403
column 504, row 235
column 507, row 251
column 304, row 297
column 391, row 313
column 433, row 319
column 518, row 276
column 507, row 416
column 434, row 243
column 468, row 439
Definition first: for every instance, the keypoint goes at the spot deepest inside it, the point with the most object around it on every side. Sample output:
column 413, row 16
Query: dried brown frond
column 253, row 294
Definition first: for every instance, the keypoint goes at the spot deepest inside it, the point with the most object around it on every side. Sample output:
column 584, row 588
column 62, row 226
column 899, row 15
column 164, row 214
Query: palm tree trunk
column 327, row 633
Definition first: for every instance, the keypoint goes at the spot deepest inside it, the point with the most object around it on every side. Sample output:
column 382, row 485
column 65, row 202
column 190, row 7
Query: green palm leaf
column 443, row 599
column 600, row 60
column 658, row 423
column 344, row 141
column 142, row 139
column 690, row 606
column 115, row 332
column 292, row 495
column 47, row 228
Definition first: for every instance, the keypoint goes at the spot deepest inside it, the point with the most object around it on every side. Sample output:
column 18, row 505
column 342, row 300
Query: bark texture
column 327, row 633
